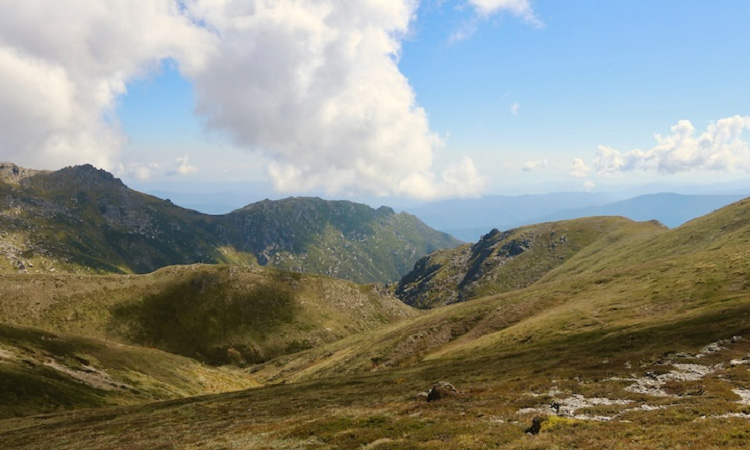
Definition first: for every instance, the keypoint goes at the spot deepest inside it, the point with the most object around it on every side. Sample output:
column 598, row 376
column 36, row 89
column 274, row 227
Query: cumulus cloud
column 721, row 148
column 315, row 86
column 514, row 108
column 535, row 164
column 182, row 167
column 578, row 168
column 65, row 65
column 312, row 84
column 138, row 171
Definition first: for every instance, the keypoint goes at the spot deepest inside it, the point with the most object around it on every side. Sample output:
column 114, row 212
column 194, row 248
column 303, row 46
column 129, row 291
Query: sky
column 386, row 99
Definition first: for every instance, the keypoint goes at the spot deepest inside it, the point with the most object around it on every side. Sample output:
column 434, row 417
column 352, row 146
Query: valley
column 599, row 332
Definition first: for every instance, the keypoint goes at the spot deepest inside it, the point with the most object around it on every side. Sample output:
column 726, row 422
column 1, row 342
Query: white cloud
column 578, row 168
column 182, row 167
column 720, row 148
column 588, row 185
column 519, row 8
column 535, row 164
column 514, row 108
column 65, row 65
column 314, row 85
column 138, row 171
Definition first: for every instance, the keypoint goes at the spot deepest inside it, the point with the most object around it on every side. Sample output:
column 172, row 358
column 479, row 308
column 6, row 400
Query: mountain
column 638, row 340
column 84, row 219
column 670, row 209
column 336, row 238
column 469, row 219
column 507, row 261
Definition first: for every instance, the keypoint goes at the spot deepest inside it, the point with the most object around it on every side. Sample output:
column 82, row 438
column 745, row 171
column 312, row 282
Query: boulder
column 441, row 390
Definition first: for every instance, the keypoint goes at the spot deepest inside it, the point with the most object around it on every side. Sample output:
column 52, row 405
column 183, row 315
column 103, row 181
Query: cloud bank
column 64, row 64
column 312, row 84
column 721, row 148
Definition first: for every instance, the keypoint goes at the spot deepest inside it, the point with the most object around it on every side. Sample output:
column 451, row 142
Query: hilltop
column 81, row 219
column 510, row 260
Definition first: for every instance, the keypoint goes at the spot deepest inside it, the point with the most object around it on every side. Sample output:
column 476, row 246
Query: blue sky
column 447, row 98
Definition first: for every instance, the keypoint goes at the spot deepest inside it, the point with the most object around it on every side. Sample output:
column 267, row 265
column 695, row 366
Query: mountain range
column 84, row 219
column 597, row 332
column 468, row 219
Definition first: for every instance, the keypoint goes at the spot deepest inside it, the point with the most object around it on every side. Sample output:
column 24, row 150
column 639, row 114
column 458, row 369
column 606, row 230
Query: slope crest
column 505, row 261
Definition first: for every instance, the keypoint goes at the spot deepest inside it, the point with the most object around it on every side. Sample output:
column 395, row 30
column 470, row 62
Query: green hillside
column 510, row 260
column 335, row 238
column 640, row 340
column 43, row 372
column 80, row 219
column 215, row 314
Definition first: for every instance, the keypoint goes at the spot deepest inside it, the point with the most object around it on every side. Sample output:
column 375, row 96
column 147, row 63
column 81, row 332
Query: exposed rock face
column 83, row 218
column 450, row 276
column 11, row 173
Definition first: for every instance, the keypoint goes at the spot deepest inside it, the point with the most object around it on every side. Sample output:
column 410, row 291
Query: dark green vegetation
column 510, row 260
column 638, row 339
column 81, row 219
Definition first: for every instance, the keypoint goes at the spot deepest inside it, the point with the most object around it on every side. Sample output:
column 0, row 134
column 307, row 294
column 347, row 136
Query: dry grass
column 586, row 339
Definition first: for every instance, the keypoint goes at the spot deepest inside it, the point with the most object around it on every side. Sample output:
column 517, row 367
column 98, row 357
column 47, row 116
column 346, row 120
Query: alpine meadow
column 374, row 224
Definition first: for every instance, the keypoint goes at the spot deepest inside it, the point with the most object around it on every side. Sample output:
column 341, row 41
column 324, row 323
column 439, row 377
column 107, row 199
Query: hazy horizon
column 404, row 101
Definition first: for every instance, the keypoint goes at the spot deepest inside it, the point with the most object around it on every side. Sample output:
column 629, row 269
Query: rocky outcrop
column 451, row 276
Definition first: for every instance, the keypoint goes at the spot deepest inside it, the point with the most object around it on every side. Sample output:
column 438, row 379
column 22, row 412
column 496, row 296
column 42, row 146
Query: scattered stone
column 744, row 395
column 567, row 407
column 739, row 362
column 651, row 384
column 736, row 339
column 711, row 348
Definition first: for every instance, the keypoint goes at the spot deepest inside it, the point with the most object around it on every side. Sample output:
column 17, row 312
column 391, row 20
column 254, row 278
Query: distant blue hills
column 469, row 219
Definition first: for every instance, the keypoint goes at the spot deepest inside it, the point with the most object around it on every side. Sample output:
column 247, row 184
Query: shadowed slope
column 216, row 314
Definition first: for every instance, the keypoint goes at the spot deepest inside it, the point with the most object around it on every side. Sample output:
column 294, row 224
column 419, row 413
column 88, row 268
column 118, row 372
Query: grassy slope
column 589, row 328
column 45, row 372
column 511, row 260
column 217, row 314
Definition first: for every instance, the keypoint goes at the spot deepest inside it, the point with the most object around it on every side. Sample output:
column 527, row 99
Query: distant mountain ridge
column 670, row 209
column 469, row 219
column 84, row 219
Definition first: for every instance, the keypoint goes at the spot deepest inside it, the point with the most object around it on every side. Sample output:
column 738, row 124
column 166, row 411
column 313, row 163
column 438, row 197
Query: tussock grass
column 627, row 310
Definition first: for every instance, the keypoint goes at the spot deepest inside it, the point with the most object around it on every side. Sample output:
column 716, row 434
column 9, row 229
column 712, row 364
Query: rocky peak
column 11, row 173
